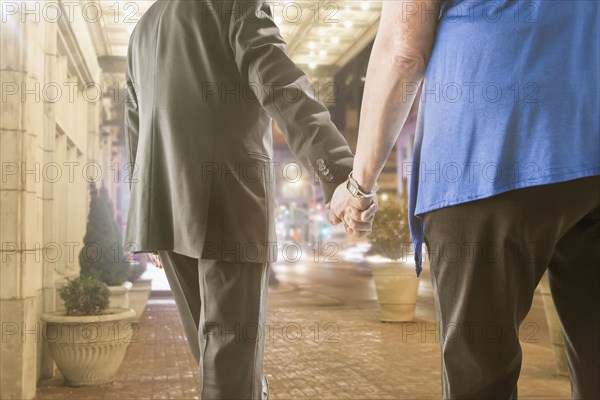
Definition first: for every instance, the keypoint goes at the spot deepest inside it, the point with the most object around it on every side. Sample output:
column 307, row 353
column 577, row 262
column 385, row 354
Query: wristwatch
column 354, row 188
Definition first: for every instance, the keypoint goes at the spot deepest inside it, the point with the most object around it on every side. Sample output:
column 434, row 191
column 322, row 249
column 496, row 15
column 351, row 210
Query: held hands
column 357, row 213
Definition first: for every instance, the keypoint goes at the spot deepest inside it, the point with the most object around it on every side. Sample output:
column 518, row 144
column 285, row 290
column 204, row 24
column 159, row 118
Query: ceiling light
column 335, row 40
column 312, row 65
column 365, row 6
column 322, row 53
column 348, row 24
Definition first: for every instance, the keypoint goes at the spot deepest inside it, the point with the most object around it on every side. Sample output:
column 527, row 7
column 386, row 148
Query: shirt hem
column 545, row 180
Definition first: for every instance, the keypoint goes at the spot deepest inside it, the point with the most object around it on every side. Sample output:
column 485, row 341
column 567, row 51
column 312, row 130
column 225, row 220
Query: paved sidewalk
column 316, row 349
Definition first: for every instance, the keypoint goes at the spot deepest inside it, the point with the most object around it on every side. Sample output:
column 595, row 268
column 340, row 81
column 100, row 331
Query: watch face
column 352, row 189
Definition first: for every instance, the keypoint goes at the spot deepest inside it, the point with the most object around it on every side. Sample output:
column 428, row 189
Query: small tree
column 391, row 234
column 102, row 254
column 85, row 295
column 105, row 199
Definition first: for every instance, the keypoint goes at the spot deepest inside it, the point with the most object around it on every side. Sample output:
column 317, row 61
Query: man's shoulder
column 201, row 11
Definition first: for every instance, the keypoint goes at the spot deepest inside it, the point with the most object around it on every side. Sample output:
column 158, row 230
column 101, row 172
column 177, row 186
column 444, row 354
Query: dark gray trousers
column 223, row 308
column 487, row 257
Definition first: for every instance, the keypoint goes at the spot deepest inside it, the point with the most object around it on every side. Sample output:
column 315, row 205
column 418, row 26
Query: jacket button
column 322, row 167
column 329, row 178
column 325, row 171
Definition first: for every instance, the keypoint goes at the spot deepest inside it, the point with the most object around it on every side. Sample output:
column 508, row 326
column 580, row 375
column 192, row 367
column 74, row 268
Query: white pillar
column 22, row 66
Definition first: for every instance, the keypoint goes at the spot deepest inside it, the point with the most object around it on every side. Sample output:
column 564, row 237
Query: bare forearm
column 389, row 94
column 396, row 68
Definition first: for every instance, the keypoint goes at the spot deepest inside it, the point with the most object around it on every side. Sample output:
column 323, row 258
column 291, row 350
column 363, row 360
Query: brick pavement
column 315, row 350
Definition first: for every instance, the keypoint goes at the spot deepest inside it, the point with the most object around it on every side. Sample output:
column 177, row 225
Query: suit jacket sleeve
column 285, row 93
column 132, row 122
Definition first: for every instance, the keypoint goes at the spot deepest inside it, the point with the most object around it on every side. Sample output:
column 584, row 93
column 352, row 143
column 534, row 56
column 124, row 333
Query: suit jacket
column 204, row 78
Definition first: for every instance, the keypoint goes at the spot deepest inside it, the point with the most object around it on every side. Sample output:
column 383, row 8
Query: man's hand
column 357, row 213
column 156, row 260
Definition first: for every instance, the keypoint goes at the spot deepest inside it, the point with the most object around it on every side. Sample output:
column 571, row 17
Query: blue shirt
column 510, row 100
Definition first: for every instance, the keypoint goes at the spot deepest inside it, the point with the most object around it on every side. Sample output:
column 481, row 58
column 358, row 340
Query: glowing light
column 365, row 6
column 322, row 53
column 301, row 268
column 348, row 24
column 335, row 40
column 312, row 65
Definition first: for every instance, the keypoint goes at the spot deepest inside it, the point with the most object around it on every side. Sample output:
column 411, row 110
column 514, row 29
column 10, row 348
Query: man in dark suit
column 204, row 78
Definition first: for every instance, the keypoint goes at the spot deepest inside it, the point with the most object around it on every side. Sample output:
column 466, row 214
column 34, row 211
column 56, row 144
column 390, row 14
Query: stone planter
column 119, row 295
column 556, row 335
column 88, row 350
column 397, row 289
column 138, row 296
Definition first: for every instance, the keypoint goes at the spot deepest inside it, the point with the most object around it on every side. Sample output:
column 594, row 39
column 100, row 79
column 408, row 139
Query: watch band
column 355, row 190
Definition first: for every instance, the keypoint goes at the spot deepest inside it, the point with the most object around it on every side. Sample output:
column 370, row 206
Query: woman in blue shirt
column 506, row 178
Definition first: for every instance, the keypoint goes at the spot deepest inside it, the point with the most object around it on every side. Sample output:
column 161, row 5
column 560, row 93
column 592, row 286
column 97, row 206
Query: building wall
column 49, row 132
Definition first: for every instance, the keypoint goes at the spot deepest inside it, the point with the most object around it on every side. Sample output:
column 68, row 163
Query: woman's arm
column 398, row 60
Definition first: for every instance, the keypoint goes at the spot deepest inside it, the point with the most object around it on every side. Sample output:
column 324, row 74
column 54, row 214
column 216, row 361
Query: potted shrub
column 395, row 281
column 140, row 291
column 87, row 340
column 102, row 255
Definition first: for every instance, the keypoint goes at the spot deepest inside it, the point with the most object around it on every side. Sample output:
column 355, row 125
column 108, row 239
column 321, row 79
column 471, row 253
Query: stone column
column 22, row 66
column 52, row 250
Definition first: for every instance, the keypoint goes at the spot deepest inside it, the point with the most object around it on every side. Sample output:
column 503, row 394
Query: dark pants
column 223, row 308
column 487, row 258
